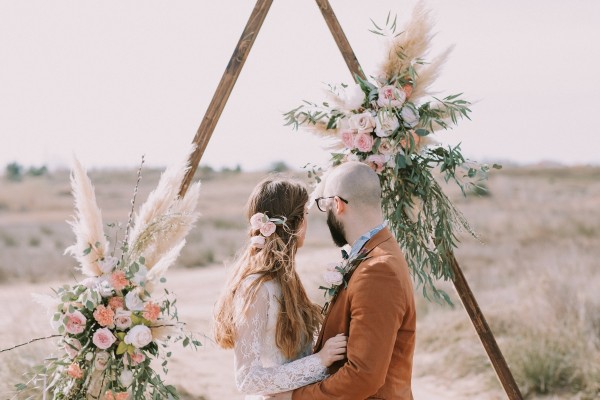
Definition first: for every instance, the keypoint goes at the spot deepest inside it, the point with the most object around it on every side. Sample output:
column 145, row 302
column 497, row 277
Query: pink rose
column 363, row 122
column 347, row 136
column 103, row 338
column 122, row 319
column 268, row 229
column 257, row 241
column 72, row 347
column 257, row 220
column 391, row 96
column 75, row 322
column 134, row 359
column 377, row 162
column 364, row 142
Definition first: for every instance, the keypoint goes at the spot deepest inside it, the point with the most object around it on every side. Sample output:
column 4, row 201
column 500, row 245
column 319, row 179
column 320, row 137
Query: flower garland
column 387, row 123
column 338, row 274
column 266, row 227
column 114, row 323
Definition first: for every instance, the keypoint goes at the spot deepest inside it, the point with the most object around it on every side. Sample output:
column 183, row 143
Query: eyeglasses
column 323, row 202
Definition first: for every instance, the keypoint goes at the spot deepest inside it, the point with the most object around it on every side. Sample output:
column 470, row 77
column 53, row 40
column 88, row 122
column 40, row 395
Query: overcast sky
column 112, row 80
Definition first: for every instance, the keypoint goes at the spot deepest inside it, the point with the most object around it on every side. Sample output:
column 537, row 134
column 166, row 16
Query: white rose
column 101, row 360
column 133, row 301
column 386, row 123
column 126, row 378
column 354, row 97
column 122, row 319
column 333, row 277
column 363, row 122
column 409, row 115
column 139, row 336
column 108, row 264
column 104, row 288
column 385, row 147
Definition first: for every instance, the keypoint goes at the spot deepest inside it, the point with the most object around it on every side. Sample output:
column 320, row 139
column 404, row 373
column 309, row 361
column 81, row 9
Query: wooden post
column 460, row 283
column 217, row 104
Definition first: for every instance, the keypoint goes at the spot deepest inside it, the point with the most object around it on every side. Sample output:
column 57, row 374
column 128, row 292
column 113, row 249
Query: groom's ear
column 340, row 206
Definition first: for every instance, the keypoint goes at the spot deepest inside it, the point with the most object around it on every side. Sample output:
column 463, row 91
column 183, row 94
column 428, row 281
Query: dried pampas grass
column 87, row 225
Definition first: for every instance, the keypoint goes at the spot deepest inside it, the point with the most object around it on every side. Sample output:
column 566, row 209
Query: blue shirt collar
column 361, row 241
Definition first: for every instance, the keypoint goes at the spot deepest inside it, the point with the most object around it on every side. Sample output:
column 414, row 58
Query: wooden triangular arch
column 213, row 113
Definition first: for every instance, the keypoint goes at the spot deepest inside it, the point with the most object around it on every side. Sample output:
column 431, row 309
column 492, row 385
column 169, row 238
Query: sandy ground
column 207, row 371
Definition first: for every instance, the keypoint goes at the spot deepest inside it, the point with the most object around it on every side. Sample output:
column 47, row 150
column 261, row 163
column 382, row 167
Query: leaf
column 422, row 132
column 121, row 348
column 186, row 342
column 87, row 251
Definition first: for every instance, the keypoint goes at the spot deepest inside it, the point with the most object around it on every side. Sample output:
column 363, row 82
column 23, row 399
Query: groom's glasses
column 324, row 202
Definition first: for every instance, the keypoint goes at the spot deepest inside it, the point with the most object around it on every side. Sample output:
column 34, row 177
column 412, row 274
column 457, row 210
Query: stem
column 135, row 191
column 31, row 341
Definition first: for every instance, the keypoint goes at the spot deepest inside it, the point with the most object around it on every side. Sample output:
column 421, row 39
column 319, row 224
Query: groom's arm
column 377, row 306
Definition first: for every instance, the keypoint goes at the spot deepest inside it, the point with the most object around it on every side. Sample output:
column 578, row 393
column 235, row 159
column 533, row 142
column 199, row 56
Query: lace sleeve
column 251, row 377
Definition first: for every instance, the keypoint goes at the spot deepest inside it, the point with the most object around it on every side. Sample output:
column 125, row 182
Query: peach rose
column 75, row 323
column 118, row 280
column 109, row 395
column 151, row 311
column 104, row 316
column 74, row 371
column 415, row 138
column 134, row 359
column 103, row 338
column 364, row 142
column 116, row 302
column 268, row 229
column 408, row 89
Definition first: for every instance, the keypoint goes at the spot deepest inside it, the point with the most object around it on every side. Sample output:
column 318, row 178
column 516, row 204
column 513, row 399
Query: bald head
column 357, row 183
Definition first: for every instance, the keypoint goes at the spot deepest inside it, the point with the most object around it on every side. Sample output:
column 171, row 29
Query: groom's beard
column 336, row 229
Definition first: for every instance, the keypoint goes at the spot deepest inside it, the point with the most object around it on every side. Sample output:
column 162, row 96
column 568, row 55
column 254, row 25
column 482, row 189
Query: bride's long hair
column 299, row 318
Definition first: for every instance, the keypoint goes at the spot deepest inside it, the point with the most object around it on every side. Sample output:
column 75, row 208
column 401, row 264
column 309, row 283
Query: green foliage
column 14, row 171
column 279, row 166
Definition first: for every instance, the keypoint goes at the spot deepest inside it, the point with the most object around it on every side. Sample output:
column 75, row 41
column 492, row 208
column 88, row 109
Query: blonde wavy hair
column 299, row 318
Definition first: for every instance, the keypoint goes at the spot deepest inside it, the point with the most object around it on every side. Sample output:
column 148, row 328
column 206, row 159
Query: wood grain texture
column 228, row 80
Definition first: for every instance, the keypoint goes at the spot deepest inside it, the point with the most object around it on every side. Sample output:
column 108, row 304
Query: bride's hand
column 333, row 350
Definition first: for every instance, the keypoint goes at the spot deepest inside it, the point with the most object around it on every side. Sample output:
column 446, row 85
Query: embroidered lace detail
column 260, row 367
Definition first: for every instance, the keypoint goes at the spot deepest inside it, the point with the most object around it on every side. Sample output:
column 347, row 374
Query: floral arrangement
column 265, row 226
column 338, row 274
column 388, row 122
column 116, row 321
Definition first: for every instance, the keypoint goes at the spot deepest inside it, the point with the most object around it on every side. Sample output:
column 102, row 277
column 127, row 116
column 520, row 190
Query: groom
column 377, row 309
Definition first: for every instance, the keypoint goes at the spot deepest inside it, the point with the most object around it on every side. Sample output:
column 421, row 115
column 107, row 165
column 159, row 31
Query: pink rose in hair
column 257, row 241
column 364, row 142
column 103, row 338
column 257, row 220
column 268, row 229
column 75, row 323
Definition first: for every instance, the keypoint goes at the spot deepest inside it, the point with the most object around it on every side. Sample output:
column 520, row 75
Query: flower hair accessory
column 266, row 227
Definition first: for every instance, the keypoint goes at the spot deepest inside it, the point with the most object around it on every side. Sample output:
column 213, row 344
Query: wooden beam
column 228, row 80
column 460, row 283
column 340, row 38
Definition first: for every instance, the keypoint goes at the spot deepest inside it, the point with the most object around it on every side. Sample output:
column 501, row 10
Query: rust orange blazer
column 377, row 312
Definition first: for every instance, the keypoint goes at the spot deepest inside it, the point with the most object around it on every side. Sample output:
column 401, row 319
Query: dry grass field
column 535, row 272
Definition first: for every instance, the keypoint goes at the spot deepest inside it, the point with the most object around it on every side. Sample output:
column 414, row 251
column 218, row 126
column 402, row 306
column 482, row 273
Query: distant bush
column 37, row 171
column 14, row 171
column 279, row 166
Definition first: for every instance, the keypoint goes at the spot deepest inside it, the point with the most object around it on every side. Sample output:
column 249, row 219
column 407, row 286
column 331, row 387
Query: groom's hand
column 279, row 396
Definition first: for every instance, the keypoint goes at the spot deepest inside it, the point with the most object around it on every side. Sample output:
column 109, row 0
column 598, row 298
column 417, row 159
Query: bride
column 264, row 313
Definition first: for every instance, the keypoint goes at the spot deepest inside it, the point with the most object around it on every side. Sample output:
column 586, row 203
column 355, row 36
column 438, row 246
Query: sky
column 111, row 81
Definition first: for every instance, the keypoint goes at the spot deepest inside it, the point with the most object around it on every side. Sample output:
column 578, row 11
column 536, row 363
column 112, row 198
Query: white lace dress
column 260, row 367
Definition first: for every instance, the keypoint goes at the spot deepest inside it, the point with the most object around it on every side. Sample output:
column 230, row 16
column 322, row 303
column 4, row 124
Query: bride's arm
column 250, row 375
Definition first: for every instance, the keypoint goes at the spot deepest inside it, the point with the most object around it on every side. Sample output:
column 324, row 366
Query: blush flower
column 257, row 220
column 363, row 122
column 118, row 280
column 409, row 115
column 74, row 371
column 133, row 301
column 72, row 347
column 138, row 336
column 347, row 136
column 364, row 142
column 257, row 241
column 151, row 311
column 386, row 123
column 377, row 162
column 268, row 229
column 416, row 140
column 391, row 96
column 116, row 302
column 122, row 319
column 103, row 338
column 75, row 323
column 334, row 277
column 104, row 315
